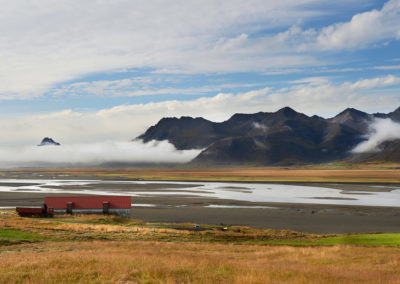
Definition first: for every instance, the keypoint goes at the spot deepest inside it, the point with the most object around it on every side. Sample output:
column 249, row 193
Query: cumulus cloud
column 95, row 154
column 361, row 31
column 380, row 130
column 43, row 44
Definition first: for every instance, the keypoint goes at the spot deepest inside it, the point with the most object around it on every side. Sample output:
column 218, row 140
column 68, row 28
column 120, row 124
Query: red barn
column 116, row 205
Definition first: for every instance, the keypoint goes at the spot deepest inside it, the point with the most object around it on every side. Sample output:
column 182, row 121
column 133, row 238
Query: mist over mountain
column 284, row 137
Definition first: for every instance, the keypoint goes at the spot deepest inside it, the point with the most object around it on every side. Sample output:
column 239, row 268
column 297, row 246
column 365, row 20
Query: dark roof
column 88, row 202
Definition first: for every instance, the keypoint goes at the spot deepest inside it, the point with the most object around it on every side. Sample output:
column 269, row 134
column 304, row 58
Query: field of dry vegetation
column 105, row 249
column 171, row 262
column 375, row 173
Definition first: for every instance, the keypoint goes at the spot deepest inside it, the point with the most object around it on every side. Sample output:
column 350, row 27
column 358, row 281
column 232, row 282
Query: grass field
column 106, row 249
column 342, row 173
column 172, row 262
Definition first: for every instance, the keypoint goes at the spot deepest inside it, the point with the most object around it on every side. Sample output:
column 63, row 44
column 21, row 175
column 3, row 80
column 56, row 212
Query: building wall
column 123, row 212
column 83, row 202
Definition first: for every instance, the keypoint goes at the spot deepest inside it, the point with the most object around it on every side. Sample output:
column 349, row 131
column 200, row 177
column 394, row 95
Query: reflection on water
column 142, row 205
column 241, row 206
column 251, row 192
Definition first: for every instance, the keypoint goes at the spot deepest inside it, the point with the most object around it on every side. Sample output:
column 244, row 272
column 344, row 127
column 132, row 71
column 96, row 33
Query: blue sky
column 96, row 70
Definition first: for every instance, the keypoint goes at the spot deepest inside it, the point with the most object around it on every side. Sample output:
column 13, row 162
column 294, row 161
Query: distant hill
column 48, row 142
column 284, row 137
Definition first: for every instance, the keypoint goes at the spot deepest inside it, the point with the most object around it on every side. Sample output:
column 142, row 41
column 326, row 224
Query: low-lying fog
column 380, row 130
column 154, row 152
column 95, row 154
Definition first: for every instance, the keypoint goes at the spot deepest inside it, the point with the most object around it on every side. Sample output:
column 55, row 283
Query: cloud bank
column 380, row 130
column 43, row 44
column 125, row 122
column 134, row 152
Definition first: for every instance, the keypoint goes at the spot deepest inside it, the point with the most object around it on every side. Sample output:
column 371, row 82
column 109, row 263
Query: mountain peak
column 47, row 141
column 287, row 111
column 395, row 115
column 397, row 110
column 353, row 112
column 353, row 118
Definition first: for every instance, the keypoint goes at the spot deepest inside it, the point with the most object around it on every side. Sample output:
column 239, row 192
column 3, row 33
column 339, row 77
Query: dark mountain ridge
column 46, row 141
column 268, row 138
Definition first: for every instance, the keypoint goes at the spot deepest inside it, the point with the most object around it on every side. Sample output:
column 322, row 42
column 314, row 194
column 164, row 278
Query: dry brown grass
column 133, row 252
column 366, row 173
column 95, row 227
column 160, row 262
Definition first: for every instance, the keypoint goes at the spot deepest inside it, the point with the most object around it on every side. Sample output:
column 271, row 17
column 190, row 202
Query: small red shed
column 108, row 204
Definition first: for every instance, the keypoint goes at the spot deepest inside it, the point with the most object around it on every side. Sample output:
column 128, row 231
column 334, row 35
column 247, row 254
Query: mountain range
column 284, row 137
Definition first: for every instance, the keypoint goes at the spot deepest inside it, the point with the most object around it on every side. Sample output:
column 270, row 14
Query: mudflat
column 313, row 218
column 187, row 207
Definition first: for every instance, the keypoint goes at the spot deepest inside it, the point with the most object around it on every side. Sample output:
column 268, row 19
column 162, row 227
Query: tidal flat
column 306, row 207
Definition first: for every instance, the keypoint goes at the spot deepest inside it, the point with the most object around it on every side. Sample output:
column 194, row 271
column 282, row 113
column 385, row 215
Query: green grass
column 364, row 240
column 86, row 227
column 11, row 237
column 388, row 239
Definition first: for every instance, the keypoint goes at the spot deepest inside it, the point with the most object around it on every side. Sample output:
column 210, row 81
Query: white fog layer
column 380, row 130
column 96, row 153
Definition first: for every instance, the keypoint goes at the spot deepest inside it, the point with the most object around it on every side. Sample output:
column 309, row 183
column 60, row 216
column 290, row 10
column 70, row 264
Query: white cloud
column 376, row 82
column 387, row 67
column 42, row 44
column 125, row 122
column 141, row 86
column 381, row 130
column 364, row 28
column 260, row 126
column 361, row 31
column 96, row 154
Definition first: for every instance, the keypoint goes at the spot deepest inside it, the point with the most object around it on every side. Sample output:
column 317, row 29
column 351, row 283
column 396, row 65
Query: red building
column 116, row 205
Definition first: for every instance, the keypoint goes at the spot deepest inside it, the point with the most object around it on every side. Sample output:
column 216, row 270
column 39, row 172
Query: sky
column 99, row 71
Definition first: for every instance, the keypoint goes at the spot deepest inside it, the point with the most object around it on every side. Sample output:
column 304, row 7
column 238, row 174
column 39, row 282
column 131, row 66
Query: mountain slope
column 184, row 133
column 263, row 138
column 353, row 118
column 389, row 152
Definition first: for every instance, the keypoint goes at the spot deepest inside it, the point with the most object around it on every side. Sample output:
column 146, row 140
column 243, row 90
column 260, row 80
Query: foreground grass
column 352, row 239
column 112, row 228
column 107, row 249
column 170, row 262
